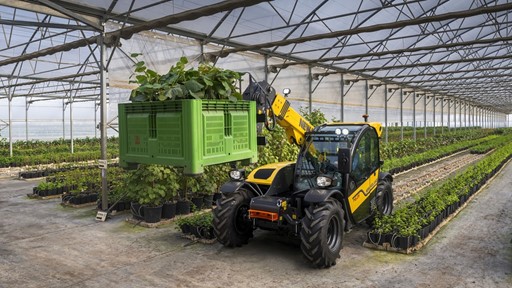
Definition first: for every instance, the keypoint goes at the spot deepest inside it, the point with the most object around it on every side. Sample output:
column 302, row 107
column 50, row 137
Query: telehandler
column 335, row 183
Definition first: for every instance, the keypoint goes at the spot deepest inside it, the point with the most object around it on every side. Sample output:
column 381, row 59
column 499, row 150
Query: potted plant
column 172, row 186
column 147, row 186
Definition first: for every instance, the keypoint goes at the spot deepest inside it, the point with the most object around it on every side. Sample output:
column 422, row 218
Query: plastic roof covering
column 458, row 49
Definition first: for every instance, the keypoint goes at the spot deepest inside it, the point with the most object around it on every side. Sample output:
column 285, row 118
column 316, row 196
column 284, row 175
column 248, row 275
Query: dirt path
column 412, row 181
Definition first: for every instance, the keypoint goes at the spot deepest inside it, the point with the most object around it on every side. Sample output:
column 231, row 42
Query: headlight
column 323, row 181
column 236, row 174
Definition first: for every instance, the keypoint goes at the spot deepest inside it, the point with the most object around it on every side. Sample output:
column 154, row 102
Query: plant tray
column 187, row 133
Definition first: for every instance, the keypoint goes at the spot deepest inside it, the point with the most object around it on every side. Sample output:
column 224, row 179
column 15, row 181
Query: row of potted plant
column 395, row 133
column 396, row 165
column 36, row 147
column 162, row 191
column 199, row 224
column 50, row 158
column 487, row 146
column 413, row 221
column 398, row 149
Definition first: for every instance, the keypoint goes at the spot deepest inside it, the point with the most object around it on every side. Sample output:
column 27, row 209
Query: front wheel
column 231, row 223
column 322, row 233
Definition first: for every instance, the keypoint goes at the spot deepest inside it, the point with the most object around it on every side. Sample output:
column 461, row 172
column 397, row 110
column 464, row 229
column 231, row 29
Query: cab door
column 364, row 174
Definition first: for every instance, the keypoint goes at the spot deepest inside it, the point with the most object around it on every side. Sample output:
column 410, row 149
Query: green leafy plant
column 149, row 184
column 316, row 117
column 205, row 82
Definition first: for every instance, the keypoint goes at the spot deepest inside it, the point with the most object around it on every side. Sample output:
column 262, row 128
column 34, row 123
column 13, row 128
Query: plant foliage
column 205, row 82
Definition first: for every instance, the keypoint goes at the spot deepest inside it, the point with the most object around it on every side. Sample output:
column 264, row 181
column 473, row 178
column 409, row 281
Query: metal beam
column 378, row 27
column 434, row 63
column 126, row 33
column 44, row 24
column 460, row 78
column 399, row 51
column 51, row 79
column 72, row 14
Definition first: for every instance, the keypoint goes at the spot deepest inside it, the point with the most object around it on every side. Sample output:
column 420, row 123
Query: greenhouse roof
column 455, row 49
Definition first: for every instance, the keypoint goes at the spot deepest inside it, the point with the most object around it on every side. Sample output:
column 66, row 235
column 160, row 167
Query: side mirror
column 344, row 161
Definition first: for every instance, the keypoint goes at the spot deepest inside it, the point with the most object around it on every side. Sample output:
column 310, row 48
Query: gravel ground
column 45, row 245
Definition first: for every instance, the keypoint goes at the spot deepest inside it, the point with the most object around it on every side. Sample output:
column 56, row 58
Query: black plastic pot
column 137, row 211
column 216, row 196
column 182, row 207
column 169, row 210
column 198, row 203
column 152, row 214
column 207, row 201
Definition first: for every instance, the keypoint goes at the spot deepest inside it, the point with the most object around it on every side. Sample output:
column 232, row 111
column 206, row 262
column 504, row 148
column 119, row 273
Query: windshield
column 320, row 157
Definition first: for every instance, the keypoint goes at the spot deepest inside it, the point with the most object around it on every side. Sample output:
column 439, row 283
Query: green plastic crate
column 187, row 133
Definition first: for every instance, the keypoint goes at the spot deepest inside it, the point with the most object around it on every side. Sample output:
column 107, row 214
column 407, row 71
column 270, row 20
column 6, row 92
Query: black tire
column 384, row 197
column 322, row 233
column 383, row 200
column 231, row 224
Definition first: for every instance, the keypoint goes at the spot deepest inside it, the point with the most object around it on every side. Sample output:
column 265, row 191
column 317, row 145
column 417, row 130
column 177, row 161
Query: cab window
column 366, row 157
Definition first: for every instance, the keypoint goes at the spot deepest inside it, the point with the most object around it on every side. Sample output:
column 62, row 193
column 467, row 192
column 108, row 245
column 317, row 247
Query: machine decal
column 363, row 192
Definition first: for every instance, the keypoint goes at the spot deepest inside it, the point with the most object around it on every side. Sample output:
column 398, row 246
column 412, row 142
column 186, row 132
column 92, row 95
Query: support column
column 103, row 120
column 449, row 126
column 442, row 115
column 454, row 113
column 401, row 114
column 366, row 97
column 386, row 112
column 26, row 118
column 96, row 106
column 434, row 113
column 71, row 125
column 414, row 115
column 460, row 114
column 342, row 99
column 310, row 81
column 465, row 115
column 63, row 120
column 425, row 113
column 9, row 98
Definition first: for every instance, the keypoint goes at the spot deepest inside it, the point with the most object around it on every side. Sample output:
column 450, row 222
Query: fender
column 385, row 176
column 233, row 186
column 320, row 195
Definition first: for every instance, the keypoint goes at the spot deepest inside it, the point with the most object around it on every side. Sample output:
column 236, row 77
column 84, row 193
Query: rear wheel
column 322, row 233
column 231, row 223
column 383, row 200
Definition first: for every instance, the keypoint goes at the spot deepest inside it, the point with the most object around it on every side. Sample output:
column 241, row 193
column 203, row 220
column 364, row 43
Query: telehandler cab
column 335, row 183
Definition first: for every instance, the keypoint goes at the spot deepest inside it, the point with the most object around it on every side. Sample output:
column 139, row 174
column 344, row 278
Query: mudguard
column 320, row 195
column 233, row 186
column 385, row 175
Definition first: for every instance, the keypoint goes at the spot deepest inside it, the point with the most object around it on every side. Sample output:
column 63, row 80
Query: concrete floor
column 45, row 245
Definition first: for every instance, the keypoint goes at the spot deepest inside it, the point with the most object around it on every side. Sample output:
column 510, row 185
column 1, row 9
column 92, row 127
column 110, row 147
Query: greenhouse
column 221, row 123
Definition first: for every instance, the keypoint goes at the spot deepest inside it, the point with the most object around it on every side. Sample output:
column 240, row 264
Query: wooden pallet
column 34, row 196
column 142, row 223
column 67, row 204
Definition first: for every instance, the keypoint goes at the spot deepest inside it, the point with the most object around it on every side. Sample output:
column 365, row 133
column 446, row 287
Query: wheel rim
column 242, row 219
column 333, row 231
